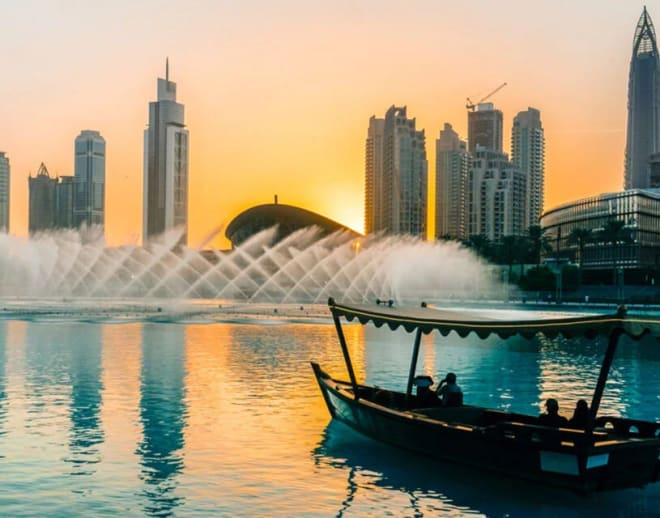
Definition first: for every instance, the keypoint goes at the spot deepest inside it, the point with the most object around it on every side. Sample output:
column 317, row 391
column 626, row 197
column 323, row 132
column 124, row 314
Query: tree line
column 532, row 246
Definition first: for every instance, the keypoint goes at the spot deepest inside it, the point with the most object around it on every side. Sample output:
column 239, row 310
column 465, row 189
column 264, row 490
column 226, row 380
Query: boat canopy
column 427, row 319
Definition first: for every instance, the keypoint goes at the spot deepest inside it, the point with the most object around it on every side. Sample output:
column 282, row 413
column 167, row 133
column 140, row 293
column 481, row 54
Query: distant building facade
column 485, row 128
column 42, row 201
column 373, row 177
column 64, row 202
column 165, row 191
column 452, row 165
column 5, row 185
column 638, row 209
column 528, row 155
column 396, row 175
column 498, row 194
column 643, row 129
column 89, row 179
column 51, row 201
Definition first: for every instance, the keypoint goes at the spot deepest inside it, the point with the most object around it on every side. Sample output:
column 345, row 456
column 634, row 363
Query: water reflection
column 85, row 370
column 227, row 419
column 3, row 378
column 163, row 415
column 380, row 478
column 47, row 387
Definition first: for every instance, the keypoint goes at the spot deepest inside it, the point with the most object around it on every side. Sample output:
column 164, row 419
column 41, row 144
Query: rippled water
column 216, row 419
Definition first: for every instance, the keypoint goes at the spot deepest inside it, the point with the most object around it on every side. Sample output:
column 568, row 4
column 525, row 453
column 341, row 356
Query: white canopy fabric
column 428, row 319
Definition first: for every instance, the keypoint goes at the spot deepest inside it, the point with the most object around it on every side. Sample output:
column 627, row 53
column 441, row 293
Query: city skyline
column 277, row 103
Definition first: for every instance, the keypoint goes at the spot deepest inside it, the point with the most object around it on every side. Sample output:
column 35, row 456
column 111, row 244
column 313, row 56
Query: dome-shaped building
column 287, row 218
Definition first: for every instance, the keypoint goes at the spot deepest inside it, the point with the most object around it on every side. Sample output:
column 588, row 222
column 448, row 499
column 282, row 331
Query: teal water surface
column 190, row 419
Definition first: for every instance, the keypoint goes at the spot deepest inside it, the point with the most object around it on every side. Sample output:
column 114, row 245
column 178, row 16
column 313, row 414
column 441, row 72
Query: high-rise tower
column 528, row 155
column 485, row 128
column 643, row 131
column 51, row 201
column 395, row 175
column 373, row 174
column 498, row 196
column 452, row 163
column 4, row 192
column 165, row 189
column 42, row 201
column 89, row 179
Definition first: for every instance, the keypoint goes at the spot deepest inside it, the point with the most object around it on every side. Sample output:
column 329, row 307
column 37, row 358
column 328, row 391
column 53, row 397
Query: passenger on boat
column 425, row 395
column 580, row 417
column 552, row 417
column 449, row 392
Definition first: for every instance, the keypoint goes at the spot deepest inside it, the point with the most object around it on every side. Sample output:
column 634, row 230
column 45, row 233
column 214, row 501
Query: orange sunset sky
column 278, row 94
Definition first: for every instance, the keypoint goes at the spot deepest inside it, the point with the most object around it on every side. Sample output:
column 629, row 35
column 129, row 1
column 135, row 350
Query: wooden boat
column 608, row 453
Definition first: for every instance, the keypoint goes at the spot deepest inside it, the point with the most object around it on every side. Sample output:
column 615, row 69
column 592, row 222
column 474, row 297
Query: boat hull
column 569, row 459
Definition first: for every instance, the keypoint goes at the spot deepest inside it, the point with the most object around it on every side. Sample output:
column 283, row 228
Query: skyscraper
column 4, row 192
column 89, row 179
column 51, row 201
column 643, row 131
column 165, row 191
column 64, row 202
column 528, row 155
column 498, row 192
column 452, row 163
column 373, row 174
column 485, row 128
column 395, row 175
column 42, row 201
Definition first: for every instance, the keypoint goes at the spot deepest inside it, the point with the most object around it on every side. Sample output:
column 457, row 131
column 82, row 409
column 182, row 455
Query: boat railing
column 503, row 425
column 628, row 427
column 545, row 435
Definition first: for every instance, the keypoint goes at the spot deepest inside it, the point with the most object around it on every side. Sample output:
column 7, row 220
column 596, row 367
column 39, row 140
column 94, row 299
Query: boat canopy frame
column 424, row 320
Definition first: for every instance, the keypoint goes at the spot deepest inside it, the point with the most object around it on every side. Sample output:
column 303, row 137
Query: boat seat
column 463, row 414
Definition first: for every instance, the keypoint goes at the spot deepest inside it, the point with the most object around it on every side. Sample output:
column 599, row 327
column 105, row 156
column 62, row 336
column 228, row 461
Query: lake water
column 192, row 418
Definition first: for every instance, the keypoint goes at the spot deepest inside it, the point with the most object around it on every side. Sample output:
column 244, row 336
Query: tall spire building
column 4, row 192
column 165, row 192
column 643, row 131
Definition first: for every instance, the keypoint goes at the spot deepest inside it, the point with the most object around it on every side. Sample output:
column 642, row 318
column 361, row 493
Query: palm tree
column 580, row 236
column 509, row 252
column 538, row 243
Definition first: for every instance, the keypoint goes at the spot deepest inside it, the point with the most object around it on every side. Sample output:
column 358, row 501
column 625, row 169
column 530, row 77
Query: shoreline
column 190, row 311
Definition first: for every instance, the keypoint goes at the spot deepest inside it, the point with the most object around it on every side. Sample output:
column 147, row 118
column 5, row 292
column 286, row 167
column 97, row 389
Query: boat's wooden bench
column 548, row 435
column 459, row 414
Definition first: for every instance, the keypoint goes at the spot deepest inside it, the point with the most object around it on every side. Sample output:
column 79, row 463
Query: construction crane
column 471, row 106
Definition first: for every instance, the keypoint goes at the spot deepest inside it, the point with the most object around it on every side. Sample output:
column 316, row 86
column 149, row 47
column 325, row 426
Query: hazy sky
column 278, row 94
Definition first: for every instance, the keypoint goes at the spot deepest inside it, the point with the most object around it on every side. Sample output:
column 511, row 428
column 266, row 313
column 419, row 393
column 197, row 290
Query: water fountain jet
column 305, row 266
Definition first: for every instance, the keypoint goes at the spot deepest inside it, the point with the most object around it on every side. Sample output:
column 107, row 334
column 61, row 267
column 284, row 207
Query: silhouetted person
column 449, row 392
column 425, row 396
column 580, row 417
column 552, row 417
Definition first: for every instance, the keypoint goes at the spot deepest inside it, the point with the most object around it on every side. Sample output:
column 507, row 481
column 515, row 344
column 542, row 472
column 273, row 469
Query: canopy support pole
column 413, row 366
column 604, row 373
column 347, row 357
